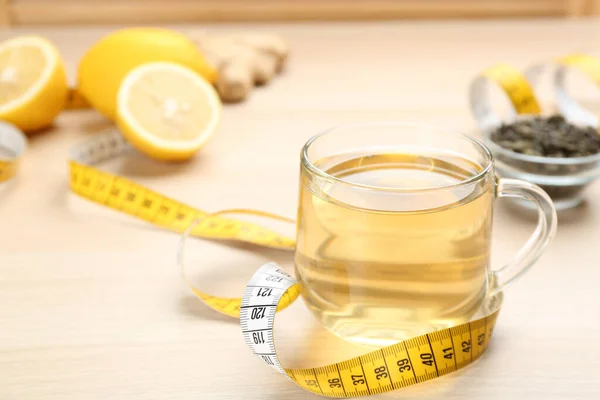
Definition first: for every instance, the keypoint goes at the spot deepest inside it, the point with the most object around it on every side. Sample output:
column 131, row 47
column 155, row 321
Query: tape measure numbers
column 403, row 364
column 12, row 146
column 270, row 289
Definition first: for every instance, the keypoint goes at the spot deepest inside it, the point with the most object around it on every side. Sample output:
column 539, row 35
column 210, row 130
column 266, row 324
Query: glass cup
column 394, row 230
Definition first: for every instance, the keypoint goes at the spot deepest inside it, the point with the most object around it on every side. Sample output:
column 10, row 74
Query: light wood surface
column 92, row 305
column 25, row 12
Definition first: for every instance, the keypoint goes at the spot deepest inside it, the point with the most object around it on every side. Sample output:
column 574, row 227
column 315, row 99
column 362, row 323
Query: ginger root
column 243, row 61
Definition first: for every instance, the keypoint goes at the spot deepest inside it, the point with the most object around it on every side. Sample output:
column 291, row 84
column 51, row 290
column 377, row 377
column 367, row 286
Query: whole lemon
column 107, row 62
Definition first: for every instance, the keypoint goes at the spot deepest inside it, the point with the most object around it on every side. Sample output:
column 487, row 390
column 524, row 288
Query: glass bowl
column 564, row 179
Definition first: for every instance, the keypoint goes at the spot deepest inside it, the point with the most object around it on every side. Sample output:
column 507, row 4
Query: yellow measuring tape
column 584, row 64
column 12, row 146
column 515, row 86
column 403, row 364
column 588, row 65
column 519, row 89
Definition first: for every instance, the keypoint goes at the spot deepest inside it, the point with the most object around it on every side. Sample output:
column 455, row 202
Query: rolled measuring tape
column 586, row 65
column 12, row 146
column 513, row 84
column 271, row 289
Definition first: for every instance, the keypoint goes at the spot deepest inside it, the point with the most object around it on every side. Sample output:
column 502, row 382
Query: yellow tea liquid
column 380, row 265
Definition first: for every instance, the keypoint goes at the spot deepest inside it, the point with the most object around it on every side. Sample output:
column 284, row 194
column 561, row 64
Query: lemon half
column 33, row 82
column 166, row 110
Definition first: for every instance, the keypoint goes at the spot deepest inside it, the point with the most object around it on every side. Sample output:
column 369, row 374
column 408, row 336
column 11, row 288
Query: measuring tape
column 12, row 146
column 403, row 364
column 519, row 88
column 515, row 86
column 271, row 289
column 588, row 66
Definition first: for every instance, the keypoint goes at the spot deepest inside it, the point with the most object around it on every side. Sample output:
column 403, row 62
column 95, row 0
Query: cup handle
column 541, row 237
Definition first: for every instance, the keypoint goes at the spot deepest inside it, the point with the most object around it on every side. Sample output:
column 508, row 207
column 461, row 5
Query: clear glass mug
column 394, row 230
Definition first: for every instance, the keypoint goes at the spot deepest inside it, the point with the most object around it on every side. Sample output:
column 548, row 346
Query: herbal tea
column 379, row 264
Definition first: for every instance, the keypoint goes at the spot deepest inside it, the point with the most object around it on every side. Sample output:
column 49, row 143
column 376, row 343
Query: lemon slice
column 166, row 110
column 33, row 82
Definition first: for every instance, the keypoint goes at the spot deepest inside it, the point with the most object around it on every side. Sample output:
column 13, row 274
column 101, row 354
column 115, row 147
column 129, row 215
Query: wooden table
column 92, row 305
